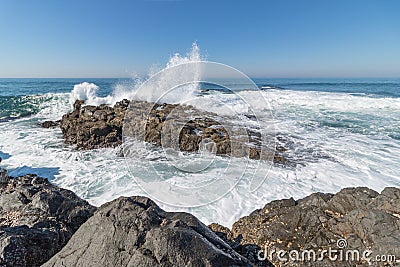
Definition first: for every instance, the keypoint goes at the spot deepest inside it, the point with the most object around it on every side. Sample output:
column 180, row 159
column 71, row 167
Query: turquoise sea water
column 383, row 87
column 23, row 97
column 19, row 97
column 340, row 132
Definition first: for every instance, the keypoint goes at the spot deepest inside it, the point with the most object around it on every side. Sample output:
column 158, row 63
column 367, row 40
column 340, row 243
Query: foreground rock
column 136, row 232
column 365, row 219
column 180, row 127
column 36, row 219
column 39, row 225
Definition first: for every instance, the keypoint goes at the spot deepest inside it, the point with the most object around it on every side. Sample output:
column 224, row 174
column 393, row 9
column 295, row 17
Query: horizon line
column 259, row 77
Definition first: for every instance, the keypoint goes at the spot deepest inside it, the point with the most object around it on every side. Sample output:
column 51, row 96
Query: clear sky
column 322, row 38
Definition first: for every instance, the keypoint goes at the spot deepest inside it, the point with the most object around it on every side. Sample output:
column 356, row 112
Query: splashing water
column 193, row 56
column 88, row 91
column 340, row 139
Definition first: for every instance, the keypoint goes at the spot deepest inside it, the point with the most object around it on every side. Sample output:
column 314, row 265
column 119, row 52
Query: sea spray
column 87, row 92
column 331, row 157
column 358, row 149
column 193, row 56
column 129, row 90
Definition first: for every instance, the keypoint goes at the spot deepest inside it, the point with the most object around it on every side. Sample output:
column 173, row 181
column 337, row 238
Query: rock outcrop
column 91, row 127
column 180, row 127
column 134, row 231
column 360, row 218
column 36, row 219
column 50, row 124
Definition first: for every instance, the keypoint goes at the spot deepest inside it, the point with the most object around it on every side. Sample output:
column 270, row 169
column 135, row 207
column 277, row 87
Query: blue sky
column 261, row 38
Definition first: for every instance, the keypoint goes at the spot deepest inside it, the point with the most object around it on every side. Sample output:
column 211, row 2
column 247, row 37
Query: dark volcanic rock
column 36, row 219
column 248, row 251
column 50, row 124
column 180, row 127
column 92, row 127
column 365, row 219
column 136, row 232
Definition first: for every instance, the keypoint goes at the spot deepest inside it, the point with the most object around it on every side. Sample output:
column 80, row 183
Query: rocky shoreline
column 361, row 218
column 36, row 219
column 42, row 224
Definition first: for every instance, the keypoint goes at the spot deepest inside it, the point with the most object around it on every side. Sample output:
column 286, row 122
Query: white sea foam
column 87, row 92
column 337, row 139
column 331, row 157
column 343, row 102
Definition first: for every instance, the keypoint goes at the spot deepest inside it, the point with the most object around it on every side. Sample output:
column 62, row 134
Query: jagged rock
column 78, row 104
column 90, row 127
column 4, row 179
column 248, row 251
column 225, row 234
column 365, row 219
column 134, row 231
column 180, row 127
column 50, row 124
column 36, row 220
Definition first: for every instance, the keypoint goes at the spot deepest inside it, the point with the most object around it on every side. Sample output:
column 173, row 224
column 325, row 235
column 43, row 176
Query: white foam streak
column 342, row 102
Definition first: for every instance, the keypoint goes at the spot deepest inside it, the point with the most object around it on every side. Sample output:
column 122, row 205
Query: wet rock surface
column 180, row 127
column 91, row 127
column 366, row 220
column 36, row 219
column 249, row 251
column 43, row 224
column 50, row 124
column 134, row 231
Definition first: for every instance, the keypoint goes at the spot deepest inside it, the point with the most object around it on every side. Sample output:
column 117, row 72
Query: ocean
column 338, row 132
